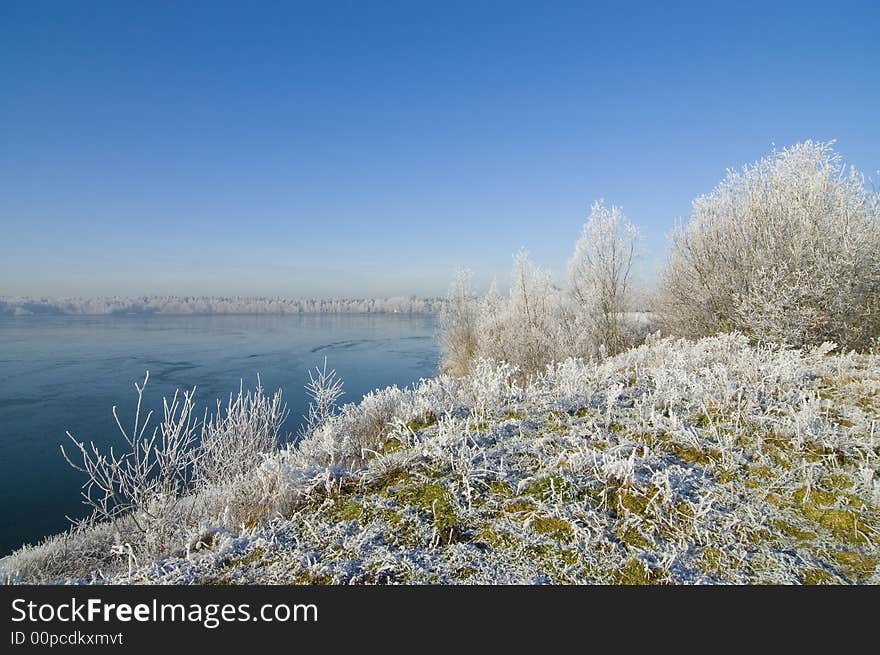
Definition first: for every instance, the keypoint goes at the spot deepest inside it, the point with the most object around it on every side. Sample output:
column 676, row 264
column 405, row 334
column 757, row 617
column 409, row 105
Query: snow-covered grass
column 710, row 461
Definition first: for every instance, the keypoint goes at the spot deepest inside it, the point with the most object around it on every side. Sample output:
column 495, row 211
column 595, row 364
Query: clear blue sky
column 369, row 148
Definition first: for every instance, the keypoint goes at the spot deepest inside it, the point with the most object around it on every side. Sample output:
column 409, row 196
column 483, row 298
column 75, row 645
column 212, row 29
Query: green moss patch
column 816, row 576
column 433, row 499
column 421, row 422
column 635, row 573
column 554, row 527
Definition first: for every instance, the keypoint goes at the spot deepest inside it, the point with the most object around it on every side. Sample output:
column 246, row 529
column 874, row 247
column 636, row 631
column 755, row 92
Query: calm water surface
column 62, row 373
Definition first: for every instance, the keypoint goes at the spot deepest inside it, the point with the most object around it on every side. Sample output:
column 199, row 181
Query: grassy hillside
column 676, row 462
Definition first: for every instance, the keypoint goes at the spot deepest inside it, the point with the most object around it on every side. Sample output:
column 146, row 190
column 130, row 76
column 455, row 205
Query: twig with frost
column 325, row 390
column 233, row 440
column 143, row 481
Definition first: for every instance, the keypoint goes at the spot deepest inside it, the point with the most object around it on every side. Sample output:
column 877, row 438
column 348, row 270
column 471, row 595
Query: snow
column 688, row 462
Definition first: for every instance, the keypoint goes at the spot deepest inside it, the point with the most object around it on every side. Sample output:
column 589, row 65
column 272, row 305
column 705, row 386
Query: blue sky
column 371, row 148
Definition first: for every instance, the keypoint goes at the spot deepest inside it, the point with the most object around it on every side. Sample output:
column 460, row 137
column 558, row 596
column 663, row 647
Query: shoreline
column 677, row 461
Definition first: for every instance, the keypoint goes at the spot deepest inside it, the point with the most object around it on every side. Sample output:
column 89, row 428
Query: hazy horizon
column 368, row 151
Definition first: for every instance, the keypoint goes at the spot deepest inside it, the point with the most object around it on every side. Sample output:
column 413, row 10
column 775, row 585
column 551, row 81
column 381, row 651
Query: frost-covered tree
column 785, row 250
column 493, row 326
column 532, row 316
column 217, row 305
column 458, row 325
column 599, row 278
column 521, row 328
column 537, row 323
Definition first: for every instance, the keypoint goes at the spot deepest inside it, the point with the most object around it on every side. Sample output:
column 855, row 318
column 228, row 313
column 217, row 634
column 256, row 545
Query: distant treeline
column 25, row 306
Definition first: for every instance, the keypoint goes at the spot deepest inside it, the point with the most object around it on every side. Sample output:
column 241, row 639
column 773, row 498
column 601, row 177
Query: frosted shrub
column 144, row 489
column 143, row 482
column 566, row 381
column 784, row 251
column 325, row 390
column 357, row 430
column 236, row 436
column 492, row 385
column 368, row 422
column 458, row 325
column 438, row 394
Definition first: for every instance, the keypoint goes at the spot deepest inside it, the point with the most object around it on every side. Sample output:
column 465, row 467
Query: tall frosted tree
column 600, row 278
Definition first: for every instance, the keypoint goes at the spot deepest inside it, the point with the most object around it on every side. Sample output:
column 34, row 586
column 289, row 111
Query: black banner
column 126, row 618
